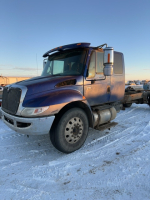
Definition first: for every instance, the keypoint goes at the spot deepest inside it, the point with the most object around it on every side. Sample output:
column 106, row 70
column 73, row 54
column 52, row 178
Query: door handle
column 108, row 89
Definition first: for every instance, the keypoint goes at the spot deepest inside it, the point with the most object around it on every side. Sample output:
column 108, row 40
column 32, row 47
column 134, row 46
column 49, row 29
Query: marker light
column 108, row 55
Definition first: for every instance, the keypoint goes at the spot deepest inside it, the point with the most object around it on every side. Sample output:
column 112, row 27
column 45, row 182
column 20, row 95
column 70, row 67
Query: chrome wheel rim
column 73, row 130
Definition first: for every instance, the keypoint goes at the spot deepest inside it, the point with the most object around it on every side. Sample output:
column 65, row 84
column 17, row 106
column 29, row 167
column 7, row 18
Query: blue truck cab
column 80, row 87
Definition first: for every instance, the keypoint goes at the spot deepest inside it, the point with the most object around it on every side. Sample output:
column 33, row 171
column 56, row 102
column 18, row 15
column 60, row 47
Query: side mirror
column 108, row 70
column 44, row 62
column 108, row 61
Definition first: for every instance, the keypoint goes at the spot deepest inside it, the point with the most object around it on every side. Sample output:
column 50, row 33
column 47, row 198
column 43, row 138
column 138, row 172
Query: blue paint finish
column 95, row 89
column 53, row 97
column 42, row 91
column 96, row 92
column 42, row 84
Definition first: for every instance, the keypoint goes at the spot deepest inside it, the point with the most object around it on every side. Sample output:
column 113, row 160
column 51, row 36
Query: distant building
column 6, row 80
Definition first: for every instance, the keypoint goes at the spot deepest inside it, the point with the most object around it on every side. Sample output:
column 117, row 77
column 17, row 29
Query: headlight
column 27, row 112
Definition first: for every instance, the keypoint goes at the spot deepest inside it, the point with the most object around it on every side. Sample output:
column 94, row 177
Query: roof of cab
column 68, row 46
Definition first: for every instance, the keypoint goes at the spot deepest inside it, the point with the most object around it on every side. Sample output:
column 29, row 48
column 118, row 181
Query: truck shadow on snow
column 45, row 144
column 35, row 147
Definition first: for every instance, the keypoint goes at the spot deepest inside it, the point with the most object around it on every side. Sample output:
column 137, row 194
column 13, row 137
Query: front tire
column 70, row 132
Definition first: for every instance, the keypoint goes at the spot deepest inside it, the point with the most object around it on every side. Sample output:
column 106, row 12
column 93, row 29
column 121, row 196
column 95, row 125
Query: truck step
column 106, row 126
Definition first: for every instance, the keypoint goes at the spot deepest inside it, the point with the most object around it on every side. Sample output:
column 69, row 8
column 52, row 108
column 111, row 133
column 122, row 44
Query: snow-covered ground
column 112, row 164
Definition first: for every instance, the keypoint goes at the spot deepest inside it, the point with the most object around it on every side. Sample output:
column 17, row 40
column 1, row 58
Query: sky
column 29, row 28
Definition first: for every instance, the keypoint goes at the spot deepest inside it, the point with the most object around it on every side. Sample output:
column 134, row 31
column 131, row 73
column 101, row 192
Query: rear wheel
column 70, row 132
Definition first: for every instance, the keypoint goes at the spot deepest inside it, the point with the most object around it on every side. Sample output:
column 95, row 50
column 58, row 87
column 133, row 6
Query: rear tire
column 70, row 132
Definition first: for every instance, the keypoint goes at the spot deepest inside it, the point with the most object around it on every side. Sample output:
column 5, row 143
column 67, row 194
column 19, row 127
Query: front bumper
column 28, row 126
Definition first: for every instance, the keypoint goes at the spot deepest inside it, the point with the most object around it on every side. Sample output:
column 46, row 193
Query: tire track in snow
column 92, row 168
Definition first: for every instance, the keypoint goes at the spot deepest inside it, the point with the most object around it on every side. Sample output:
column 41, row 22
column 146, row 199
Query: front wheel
column 70, row 132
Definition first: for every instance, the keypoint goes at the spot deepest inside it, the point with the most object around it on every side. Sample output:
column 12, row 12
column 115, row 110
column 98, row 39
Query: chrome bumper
column 28, row 126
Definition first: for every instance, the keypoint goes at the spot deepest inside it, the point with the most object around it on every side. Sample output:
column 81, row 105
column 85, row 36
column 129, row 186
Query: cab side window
column 91, row 70
column 99, row 63
column 118, row 63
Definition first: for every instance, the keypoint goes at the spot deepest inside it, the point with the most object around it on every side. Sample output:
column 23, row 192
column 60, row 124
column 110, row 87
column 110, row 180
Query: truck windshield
column 65, row 63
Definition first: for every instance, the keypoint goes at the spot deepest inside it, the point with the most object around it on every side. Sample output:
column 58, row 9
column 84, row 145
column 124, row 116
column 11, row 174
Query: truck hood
column 42, row 84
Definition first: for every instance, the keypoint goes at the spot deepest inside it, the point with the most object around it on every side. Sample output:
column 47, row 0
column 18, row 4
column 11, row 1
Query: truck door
column 96, row 85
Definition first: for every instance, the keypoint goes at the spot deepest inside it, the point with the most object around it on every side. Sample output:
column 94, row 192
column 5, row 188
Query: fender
column 54, row 97
column 59, row 100
column 80, row 104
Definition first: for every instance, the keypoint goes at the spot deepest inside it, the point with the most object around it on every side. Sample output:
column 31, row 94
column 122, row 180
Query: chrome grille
column 11, row 99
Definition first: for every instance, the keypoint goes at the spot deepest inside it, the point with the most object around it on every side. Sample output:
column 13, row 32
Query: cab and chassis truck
column 80, row 87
